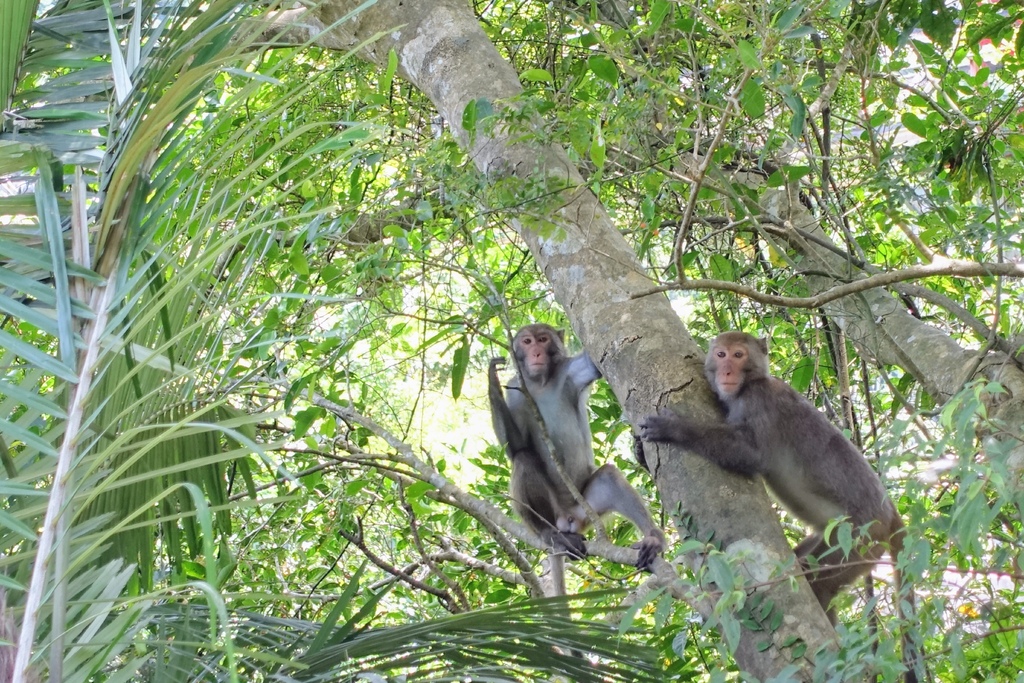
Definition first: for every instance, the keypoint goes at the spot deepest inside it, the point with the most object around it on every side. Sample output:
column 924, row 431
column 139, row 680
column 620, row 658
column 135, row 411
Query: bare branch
column 496, row 522
column 356, row 539
column 702, row 170
column 453, row 585
column 940, row 266
column 453, row 555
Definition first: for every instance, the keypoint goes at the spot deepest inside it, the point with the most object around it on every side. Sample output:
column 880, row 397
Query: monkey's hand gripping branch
column 730, row 447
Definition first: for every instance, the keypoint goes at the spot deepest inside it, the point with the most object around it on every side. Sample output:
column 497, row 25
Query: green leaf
column 604, row 68
column 304, row 419
column 536, row 75
column 748, row 55
column 796, row 125
column 36, row 357
column 460, row 361
column 353, row 134
column 469, row 116
column 788, row 17
column 796, row 172
column 799, row 32
column 297, row 260
column 424, row 210
column 914, row 124
column 384, row 86
column 721, row 268
column 803, row 374
column 354, row 487
column 659, row 10
column 752, row 99
column 13, row 488
column 844, row 534
column 938, row 22
column 50, row 221
column 12, row 523
column 597, row 147
column 417, row 489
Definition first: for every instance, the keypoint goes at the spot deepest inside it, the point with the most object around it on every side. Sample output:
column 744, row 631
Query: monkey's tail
column 913, row 652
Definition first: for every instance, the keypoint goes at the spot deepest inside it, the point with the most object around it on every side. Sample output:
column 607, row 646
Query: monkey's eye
column 720, row 353
column 542, row 340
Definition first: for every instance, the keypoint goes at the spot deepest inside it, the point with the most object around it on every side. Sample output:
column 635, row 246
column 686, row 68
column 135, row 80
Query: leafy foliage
column 219, row 263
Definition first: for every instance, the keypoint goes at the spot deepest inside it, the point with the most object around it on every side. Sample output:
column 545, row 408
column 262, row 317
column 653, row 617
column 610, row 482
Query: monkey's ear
column 762, row 343
column 561, row 335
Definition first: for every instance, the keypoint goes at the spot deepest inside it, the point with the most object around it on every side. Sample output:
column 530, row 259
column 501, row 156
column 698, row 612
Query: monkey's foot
column 571, row 544
column 649, row 548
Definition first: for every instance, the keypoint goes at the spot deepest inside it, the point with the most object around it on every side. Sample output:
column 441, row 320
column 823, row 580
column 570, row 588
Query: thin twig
column 940, row 266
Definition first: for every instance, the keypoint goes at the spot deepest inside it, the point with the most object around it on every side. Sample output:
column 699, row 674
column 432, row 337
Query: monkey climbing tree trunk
column 646, row 353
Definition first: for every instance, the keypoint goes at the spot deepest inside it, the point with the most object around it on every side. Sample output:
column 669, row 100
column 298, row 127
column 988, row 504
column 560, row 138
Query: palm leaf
column 504, row 644
column 15, row 18
column 104, row 351
column 131, row 331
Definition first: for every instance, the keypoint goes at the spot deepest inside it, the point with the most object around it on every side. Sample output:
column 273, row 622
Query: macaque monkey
column 773, row 432
column 559, row 386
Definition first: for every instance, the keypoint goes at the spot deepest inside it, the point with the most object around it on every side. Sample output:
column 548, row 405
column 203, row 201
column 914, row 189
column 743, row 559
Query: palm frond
column 108, row 337
column 15, row 18
column 505, row 644
column 132, row 330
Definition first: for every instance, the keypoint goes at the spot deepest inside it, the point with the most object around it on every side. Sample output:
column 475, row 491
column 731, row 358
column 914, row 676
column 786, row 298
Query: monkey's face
column 536, row 347
column 726, row 368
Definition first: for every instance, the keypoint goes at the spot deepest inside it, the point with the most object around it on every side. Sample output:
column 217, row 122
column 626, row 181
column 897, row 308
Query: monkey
column 773, row 432
column 559, row 386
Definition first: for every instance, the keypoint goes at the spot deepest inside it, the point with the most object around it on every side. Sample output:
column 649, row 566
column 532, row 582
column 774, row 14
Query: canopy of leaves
column 248, row 297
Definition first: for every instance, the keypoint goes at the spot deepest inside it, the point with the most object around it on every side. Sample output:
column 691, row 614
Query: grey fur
column 559, row 386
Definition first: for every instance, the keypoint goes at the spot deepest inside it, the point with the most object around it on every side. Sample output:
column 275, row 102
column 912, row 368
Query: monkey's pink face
column 730, row 368
column 536, row 350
